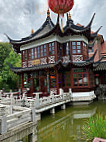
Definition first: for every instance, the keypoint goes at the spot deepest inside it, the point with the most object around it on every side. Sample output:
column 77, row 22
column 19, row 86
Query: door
column 43, row 84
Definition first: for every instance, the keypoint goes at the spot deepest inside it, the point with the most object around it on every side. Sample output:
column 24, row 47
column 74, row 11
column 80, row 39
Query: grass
column 94, row 127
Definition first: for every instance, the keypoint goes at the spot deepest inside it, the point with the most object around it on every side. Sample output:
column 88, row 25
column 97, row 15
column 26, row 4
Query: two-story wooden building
column 52, row 59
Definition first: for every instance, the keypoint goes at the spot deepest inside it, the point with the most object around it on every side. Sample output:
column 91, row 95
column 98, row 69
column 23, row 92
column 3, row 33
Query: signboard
column 36, row 62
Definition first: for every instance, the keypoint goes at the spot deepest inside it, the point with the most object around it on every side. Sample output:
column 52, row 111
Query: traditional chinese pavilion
column 52, row 59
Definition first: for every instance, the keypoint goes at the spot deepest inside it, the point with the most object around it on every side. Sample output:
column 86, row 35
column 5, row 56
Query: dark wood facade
column 48, row 67
column 66, row 72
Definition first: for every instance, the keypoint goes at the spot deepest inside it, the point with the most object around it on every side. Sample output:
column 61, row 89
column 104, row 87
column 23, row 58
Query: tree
column 8, row 79
column 5, row 49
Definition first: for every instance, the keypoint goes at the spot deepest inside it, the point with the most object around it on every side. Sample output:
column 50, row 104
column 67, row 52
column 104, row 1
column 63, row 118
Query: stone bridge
column 46, row 103
column 17, row 122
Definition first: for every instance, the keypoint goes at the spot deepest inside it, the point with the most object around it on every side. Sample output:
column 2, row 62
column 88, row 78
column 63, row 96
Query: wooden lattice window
column 29, row 54
column 51, row 48
column 32, row 53
column 76, row 47
column 40, row 51
column 80, row 77
column 35, row 53
column 24, row 55
column 45, row 50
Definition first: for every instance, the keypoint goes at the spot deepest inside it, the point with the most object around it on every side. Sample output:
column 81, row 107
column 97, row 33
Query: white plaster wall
column 54, row 38
column 83, row 94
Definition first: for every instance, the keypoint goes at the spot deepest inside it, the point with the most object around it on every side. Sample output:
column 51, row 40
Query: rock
column 99, row 140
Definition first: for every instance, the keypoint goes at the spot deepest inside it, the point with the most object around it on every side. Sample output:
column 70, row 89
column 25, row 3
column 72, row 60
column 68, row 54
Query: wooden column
column 56, row 50
column 22, row 81
column 88, row 78
column 71, row 77
column 48, row 82
column 57, row 80
column 70, row 49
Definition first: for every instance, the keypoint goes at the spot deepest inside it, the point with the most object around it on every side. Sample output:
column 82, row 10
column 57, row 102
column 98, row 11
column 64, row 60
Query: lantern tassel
column 62, row 25
column 61, row 15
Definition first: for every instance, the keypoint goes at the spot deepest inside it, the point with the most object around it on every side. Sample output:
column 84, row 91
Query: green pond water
column 66, row 125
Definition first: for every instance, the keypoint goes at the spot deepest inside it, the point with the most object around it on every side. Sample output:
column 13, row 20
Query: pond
column 66, row 125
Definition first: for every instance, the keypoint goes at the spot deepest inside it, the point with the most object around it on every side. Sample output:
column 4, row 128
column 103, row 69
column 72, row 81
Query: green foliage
column 95, row 127
column 5, row 49
column 8, row 79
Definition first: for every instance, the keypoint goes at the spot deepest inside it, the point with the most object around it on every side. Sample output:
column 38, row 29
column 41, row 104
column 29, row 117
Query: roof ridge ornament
column 32, row 31
column 69, row 19
column 69, row 15
column 48, row 13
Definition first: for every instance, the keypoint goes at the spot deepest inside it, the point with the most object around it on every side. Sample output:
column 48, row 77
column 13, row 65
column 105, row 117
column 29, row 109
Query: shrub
column 94, row 127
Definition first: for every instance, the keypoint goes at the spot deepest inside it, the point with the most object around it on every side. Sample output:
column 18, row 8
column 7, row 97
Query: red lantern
column 60, row 6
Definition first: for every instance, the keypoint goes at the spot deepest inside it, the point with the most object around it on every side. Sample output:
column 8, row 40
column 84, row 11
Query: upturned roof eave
column 52, row 31
column 31, row 37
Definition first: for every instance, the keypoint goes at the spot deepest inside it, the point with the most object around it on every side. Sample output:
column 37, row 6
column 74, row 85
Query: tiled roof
column 48, row 28
column 100, row 66
column 33, row 68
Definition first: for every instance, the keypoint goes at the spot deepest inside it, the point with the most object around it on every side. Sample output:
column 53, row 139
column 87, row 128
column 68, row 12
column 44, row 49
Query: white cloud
column 18, row 18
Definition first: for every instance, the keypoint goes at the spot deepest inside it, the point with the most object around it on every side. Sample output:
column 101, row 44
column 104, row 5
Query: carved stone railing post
column 3, row 120
column 61, row 93
column 23, row 100
column 37, row 101
column 11, row 105
column 53, row 98
column 48, row 99
column 33, row 114
column 70, row 92
column 19, row 92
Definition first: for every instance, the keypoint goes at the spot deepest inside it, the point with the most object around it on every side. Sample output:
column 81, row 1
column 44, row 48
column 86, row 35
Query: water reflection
column 65, row 126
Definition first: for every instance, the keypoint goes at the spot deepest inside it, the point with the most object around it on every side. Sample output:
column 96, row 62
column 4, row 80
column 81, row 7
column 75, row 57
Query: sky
column 19, row 17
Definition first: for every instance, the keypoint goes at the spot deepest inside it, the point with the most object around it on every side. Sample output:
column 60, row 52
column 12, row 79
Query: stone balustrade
column 39, row 102
column 3, row 119
column 44, row 101
column 19, row 116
